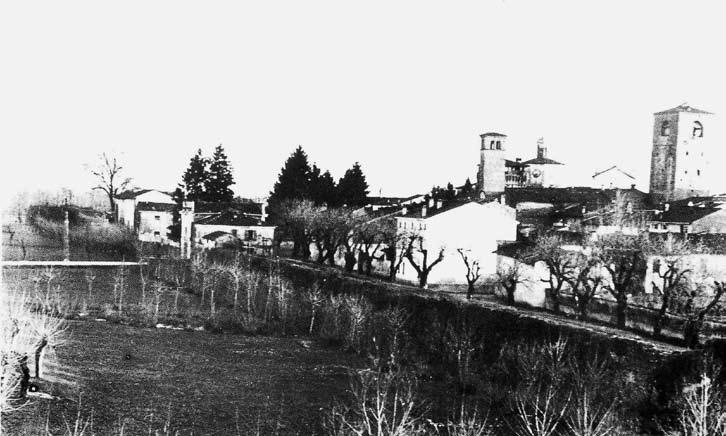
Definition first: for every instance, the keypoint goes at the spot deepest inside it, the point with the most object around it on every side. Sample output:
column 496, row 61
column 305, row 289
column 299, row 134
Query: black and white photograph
column 381, row 218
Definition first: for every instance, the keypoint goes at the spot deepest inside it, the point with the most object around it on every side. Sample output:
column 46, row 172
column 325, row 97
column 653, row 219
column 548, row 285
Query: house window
column 250, row 235
column 665, row 128
column 491, row 145
column 234, row 232
column 499, row 145
column 157, row 217
column 698, row 172
column 157, row 234
column 697, row 129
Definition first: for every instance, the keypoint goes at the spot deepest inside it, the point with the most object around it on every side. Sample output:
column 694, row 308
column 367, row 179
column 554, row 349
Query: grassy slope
column 203, row 380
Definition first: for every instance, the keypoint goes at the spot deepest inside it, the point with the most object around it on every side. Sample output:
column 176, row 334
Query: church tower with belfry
column 682, row 143
column 490, row 177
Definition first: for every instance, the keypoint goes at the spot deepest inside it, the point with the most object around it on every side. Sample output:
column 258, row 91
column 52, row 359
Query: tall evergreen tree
column 352, row 187
column 294, row 179
column 193, row 180
column 219, row 178
column 322, row 188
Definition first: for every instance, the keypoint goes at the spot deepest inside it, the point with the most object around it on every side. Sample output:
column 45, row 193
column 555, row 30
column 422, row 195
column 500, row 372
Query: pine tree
column 294, row 179
column 353, row 188
column 193, row 180
column 322, row 188
column 219, row 178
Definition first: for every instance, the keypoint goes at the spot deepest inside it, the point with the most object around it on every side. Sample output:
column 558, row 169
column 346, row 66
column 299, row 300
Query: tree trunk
column 582, row 304
column 423, row 279
column 349, row 262
column 470, row 290
column 369, row 265
column 510, row 294
column 692, row 332
column 38, row 353
column 660, row 318
column 555, row 297
column 620, row 311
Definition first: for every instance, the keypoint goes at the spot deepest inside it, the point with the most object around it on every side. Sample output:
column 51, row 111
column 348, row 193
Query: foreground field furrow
column 143, row 376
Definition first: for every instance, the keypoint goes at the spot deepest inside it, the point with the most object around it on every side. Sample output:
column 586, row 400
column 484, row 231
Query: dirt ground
column 197, row 382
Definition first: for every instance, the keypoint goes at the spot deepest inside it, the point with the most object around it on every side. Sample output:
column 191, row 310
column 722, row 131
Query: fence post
column 66, row 236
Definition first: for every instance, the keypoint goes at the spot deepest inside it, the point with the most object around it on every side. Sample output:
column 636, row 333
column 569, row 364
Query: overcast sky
column 405, row 88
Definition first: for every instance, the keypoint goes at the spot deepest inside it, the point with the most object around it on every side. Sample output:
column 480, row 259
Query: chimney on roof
column 263, row 208
column 424, row 210
column 404, row 211
column 439, row 204
column 541, row 149
column 431, row 202
column 502, row 199
column 519, row 159
column 584, row 209
column 666, row 207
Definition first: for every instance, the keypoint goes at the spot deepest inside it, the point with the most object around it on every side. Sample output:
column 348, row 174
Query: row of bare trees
column 616, row 264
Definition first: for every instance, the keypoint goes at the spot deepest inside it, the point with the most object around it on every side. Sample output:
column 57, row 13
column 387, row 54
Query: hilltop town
column 420, row 284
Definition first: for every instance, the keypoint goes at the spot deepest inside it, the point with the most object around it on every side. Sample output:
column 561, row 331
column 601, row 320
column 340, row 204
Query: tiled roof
column 133, row 193
column 216, row 207
column 156, row 207
column 683, row 108
column 229, row 218
column 542, row 161
column 216, row 234
column 414, row 211
column 514, row 164
column 385, row 201
column 614, row 167
column 127, row 195
column 593, row 198
column 678, row 213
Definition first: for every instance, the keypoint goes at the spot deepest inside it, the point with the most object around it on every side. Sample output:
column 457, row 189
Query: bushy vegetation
column 435, row 367
column 86, row 232
column 26, row 329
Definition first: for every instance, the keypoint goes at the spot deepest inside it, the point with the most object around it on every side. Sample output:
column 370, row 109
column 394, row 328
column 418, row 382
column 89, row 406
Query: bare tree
column 508, row 277
column 331, row 229
column 397, row 249
column 560, row 264
column 108, row 171
column 423, row 269
column 669, row 268
column 696, row 307
column 472, row 271
column 622, row 256
column 585, row 283
column 297, row 218
column 367, row 239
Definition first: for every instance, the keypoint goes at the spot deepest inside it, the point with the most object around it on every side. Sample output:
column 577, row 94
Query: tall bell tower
column 490, row 178
column 682, row 143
